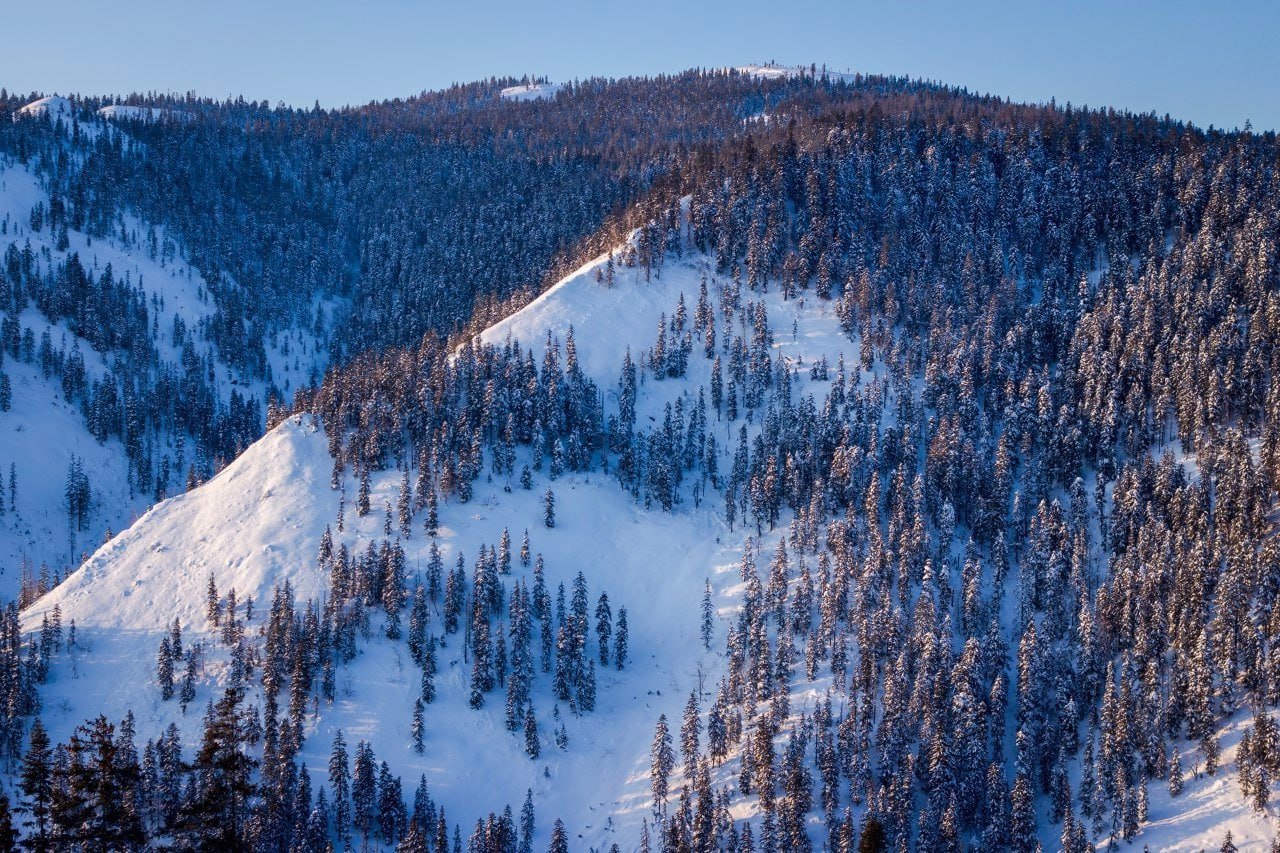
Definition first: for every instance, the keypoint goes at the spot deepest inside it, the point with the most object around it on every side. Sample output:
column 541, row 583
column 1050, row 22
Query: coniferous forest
column 723, row 461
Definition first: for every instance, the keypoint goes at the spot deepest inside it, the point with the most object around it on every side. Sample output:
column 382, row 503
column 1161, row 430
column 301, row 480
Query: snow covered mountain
column 257, row 526
column 904, row 478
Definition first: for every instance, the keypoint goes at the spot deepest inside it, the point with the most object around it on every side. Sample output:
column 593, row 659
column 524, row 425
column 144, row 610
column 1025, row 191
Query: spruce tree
column 560, row 838
column 661, row 762
column 220, row 811
column 213, row 604
column 690, row 729
column 707, row 627
column 187, row 694
column 364, row 791
column 526, row 823
column 620, row 644
column 1175, row 773
column 429, row 671
column 532, row 744
column 604, row 627
column 873, row 838
column 36, row 785
column 416, row 730
column 8, row 834
column 164, row 669
column 340, row 785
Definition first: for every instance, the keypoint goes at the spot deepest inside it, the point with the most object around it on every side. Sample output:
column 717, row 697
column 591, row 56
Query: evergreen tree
column 187, row 694
column 364, row 791
column 91, row 801
column 532, row 744
column 219, row 813
column 8, row 834
column 690, row 729
column 707, row 627
column 873, row 838
column 429, row 672
column 662, row 761
column 620, row 644
column 1175, row 773
column 604, row 627
column 526, row 823
column 164, row 669
column 559, row 838
column 213, row 604
column 36, row 785
column 416, row 730
column 1022, row 828
column 340, row 785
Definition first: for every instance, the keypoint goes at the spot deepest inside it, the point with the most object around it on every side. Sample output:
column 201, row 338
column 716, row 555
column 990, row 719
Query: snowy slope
column 57, row 109
column 530, row 92
column 52, row 106
column 805, row 331
column 259, row 523
column 254, row 525
column 38, row 437
column 42, row 431
column 1199, row 817
column 773, row 71
column 630, row 309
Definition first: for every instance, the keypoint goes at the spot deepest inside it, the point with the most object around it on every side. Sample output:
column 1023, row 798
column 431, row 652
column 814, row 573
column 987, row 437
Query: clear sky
column 1210, row 62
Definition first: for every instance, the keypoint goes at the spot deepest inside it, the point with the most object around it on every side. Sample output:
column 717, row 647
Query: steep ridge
column 255, row 525
column 258, row 524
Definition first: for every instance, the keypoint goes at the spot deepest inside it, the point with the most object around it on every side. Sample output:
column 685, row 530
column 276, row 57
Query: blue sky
column 1207, row 63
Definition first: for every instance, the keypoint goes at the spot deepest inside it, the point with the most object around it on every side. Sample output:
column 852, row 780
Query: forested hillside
column 885, row 467
column 297, row 238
